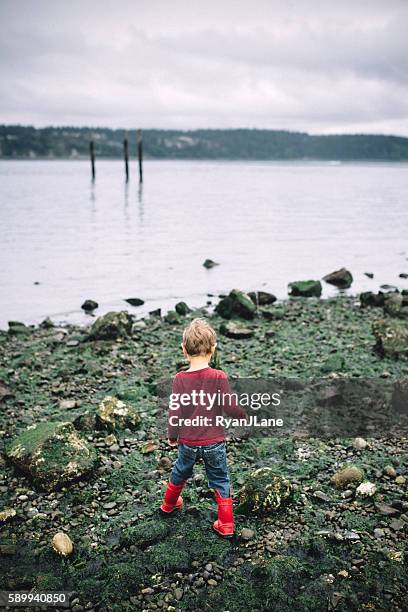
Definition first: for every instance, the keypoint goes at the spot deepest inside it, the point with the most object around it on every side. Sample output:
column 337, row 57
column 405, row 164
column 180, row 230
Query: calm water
column 266, row 223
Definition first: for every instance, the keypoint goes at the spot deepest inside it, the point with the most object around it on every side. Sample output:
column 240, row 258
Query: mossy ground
column 127, row 557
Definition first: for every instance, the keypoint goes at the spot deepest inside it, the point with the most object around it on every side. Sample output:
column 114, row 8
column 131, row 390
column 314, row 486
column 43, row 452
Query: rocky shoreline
column 326, row 539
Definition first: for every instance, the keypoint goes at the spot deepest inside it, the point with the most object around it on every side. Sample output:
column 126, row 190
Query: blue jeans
column 215, row 461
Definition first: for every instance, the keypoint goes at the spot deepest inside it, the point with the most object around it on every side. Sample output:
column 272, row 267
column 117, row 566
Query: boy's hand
column 172, row 442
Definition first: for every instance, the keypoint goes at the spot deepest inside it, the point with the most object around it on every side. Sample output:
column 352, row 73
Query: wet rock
column 111, row 326
column 359, row 444
column 236, row 304
column 391, row 337
column 335, row 363
column 348, row 475
column 390, row 471
column 340, row 278
column 172, row 317
column 4, row 391
column 145, row 533
column 17, row 328
column 62, row 544
column 276, row 313
column 264, row 491
column 209, row 263
column 386, row 510
column 155, row 313
column 262, row 298
column 396, row 524
column 7, row 514
column 52, row 454
column 247, row 534
column 46, row 323
column 236, row 331
column 368, row 298
column 89, row 305
column 134, row 301
column 67, row 404
column 309, row 288
column 182, row 308
column 366, row 489
column 115, row 414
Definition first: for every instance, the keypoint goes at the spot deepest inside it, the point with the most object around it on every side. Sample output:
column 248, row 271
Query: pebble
column 178, row 593
column 379, row 533
column 247, row 534
column 389, row 470
column 359, row 444
column 212, row 582
column 400, row 480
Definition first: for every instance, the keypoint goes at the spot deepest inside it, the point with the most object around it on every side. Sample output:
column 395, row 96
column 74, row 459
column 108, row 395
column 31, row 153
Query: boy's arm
column 229, row 403
column 173, row 430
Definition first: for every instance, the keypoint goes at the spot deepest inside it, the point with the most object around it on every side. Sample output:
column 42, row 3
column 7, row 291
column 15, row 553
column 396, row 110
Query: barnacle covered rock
column 264, row 491
column 115, row 414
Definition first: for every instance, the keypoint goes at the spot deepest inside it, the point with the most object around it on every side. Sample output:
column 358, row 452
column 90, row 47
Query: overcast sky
column 318, row 66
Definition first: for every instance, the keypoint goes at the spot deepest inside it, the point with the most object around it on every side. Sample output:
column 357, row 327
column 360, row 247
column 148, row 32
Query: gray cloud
column 319, row 66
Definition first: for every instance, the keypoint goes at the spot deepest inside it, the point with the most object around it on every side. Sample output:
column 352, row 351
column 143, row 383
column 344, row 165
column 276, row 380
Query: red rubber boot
column 172, row 498
column 224, row 526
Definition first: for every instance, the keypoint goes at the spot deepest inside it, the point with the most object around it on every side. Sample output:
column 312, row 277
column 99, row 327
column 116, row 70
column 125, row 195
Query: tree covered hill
column 27, row 142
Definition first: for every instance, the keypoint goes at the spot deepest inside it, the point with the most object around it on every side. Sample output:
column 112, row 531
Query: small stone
column 400, row 480
column 386, row 510
column 109, row 440
column 62, row 544
column 135, row 301
column 7, row 514
column 209, row 567
column 212, row 582
column 209, row 263
column 379, row 533
column 389, row 470
column 236, row 331
column 89, row 305
column 366, row 489
column 343, row 573
column 396, row 524
column 321, row 496
column 67, row 404
column 359, row 444
column 178, row 594
column 247, row 534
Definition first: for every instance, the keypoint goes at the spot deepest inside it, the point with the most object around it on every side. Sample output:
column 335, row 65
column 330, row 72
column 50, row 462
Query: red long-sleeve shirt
column 201, row 396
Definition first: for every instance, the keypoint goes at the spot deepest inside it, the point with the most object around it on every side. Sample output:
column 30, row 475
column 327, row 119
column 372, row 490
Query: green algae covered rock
column 236, row 304
column 309, row 288
column 112, row 413
column 52, row 454
column 111, row 326
column 392, row 337
column 264, row 491
column 145, row 533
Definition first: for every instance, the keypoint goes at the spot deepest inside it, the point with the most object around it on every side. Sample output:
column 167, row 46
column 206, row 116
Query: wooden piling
column 92, row 154
column 126, row 156
column 140, row 154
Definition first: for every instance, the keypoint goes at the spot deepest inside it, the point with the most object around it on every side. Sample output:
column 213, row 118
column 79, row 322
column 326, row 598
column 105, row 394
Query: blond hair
column 199, row 338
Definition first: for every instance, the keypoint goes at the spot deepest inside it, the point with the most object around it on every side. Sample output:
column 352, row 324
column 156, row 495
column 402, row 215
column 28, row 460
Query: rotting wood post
column 92, row 154
column 140, row 154
column 126, row 156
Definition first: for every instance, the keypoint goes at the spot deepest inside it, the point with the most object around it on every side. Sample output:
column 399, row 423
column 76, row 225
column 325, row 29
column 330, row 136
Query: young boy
column 195, row 423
